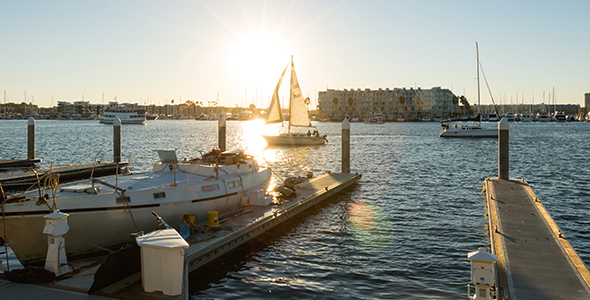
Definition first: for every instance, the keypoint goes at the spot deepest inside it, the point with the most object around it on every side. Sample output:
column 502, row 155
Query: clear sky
column 155, row 51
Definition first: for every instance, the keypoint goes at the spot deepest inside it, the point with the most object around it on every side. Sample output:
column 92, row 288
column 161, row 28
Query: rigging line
column 488, row 86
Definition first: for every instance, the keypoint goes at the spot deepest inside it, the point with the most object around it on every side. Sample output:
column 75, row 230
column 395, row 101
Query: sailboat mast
column 478, row 103
column 290, row 95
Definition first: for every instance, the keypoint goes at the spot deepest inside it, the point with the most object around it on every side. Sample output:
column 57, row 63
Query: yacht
column 526, row 117
column 493, row 117
column 126, row 112
column 543, row 117
column 560, row 116
column 104, row 212
column 510, row 117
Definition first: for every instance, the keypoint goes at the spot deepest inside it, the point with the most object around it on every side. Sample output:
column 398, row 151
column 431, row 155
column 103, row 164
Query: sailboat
column 298, row 117
column 471, row 131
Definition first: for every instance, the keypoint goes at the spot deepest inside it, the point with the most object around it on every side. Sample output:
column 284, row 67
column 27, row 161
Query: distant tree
column 172, row 101
column 402, row 100
column 335, row 101
column 189, row 103
column 252, row 107
column 465, row 103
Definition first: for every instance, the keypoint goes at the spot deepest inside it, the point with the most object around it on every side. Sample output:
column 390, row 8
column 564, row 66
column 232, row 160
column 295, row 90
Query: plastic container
column 162, row 261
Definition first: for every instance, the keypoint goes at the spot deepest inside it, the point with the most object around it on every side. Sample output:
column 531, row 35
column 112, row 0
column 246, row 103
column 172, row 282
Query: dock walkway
column 535, row 260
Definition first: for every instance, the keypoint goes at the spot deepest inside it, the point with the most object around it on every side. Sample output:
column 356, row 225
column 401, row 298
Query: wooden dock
column 535, row 260
column 18, row 163
column 238, row 228
column 23, row 180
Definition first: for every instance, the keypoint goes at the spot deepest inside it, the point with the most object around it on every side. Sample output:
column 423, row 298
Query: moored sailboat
column 471, row 131
column 298, row 116
column 103, row 213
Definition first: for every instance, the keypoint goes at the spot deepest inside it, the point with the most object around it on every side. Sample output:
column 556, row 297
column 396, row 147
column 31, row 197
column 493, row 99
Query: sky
column 233, row 52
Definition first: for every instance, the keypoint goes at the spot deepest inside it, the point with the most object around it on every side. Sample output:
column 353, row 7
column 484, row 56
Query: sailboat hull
column 294, row 139
column 470, row 131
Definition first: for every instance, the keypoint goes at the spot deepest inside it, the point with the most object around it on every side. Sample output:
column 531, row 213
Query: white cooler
column 162, row 261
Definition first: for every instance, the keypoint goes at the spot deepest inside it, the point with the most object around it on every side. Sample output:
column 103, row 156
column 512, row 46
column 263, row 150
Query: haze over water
column 403, row 232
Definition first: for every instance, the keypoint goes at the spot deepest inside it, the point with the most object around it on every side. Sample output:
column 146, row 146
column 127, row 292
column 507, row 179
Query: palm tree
column 350, row 103
column 335, row 101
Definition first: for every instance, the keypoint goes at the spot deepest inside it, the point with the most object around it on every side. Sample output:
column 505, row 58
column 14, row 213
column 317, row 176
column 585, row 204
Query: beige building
column 391, row 104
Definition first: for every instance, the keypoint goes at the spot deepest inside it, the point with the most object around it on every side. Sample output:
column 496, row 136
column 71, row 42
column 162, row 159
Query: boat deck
column 535, row 260
column 235, row 229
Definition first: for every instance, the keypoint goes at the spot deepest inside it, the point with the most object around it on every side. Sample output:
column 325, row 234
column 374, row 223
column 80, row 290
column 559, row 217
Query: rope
column 53, row 180
column 89, row 242
column 127, row 208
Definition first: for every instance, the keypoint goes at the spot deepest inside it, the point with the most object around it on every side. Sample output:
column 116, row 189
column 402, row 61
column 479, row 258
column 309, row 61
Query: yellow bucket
column 212, row 218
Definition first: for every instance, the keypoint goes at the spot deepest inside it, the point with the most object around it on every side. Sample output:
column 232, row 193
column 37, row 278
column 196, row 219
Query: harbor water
column 402, row 233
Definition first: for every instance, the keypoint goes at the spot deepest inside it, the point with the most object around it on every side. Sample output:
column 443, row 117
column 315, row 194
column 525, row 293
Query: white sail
column 274, row 113
column 297, row 110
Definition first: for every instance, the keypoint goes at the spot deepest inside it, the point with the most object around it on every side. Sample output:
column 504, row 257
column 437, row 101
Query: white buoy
column 483, row 273
column 56, row 226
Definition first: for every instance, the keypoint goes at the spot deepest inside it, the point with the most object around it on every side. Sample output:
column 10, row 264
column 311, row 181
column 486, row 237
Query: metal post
column 345, row 146
column 503, row 151
column 221, row 128
column 117, row 141
column 31, row 138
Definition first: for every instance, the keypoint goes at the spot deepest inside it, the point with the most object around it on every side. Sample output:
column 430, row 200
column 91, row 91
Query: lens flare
column 370, row 225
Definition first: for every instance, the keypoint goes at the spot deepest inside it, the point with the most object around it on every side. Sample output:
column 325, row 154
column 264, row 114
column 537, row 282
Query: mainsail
column 297, row 110
column 274, row 113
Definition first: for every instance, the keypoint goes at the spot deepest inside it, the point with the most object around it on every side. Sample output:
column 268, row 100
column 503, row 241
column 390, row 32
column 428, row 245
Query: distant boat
column 298, row 116
column 560, row 116
column 543, row 117
column 493, row 117
column 510, row 117
column 149, row 116
column 470, row 131
column 526, row 117
column 127, row 113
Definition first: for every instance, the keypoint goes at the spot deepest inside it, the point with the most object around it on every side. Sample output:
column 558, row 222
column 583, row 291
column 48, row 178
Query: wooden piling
column 345, row 146
column 117, row 140
column 503, row 149
column 31, row 138
column 221, row 129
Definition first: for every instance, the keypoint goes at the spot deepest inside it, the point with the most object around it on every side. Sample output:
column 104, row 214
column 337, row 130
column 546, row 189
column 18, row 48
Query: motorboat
column 560, row 116
column 526, row 117
column 510, row 117
column 543, row 117
column 298, row 116
column 493, row 117
column 104, row 212
column 126, row 112
column 474, row 130
column 152, row 117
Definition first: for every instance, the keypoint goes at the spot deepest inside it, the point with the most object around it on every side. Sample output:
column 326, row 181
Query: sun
column 258, row 58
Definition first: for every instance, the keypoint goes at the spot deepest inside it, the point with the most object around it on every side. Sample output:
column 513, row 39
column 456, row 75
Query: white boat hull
column 103, row 220
column 294, row 140
column 466, row 131
column 123, row 121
